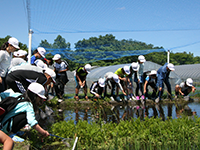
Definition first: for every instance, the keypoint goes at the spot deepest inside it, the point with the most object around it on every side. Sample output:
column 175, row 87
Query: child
column 151, row 80
column 114, row 81
column 5, row 59
column 133, row 69
column 97, row 88
column 80, row 79
column 163, row 77
column 139, row 78
column 60, row 67
column 123, row 77
column 24, row 111
column 184, row 88
column 38, row 53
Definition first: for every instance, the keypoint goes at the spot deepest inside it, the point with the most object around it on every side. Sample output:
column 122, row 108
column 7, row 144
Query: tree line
column 109, row 43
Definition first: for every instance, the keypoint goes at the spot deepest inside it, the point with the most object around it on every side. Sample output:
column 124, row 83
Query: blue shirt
column 33, row 58
column 162, row 74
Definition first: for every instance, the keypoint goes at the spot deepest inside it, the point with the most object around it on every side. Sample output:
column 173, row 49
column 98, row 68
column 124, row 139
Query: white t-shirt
column 62, row 66
column 16, row 61
column 5, row 61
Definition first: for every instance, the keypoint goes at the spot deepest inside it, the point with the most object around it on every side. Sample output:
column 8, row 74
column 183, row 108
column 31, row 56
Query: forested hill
column 97, row 46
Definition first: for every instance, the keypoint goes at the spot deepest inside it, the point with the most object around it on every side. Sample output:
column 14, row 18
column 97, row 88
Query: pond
column 115, row 113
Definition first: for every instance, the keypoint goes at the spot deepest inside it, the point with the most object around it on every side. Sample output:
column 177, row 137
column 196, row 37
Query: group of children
column 27, row 83
column 123, row 79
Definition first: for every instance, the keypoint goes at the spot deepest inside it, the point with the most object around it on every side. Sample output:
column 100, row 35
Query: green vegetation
column 153, row 133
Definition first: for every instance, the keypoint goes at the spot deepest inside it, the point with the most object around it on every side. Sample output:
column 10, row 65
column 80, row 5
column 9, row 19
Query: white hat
column 101, row 82
column 41, row 51
column 170, row 66
column 51, row 73
column 56, row 57
column 87, row 68
column 153, row 72
column 127, row 70
column 141, row 58
column 116, row 78
column 22, row 52
column 14, row 42
column 189, row 82
column 134, row 66
column 37, row 89
column 40, row 63
column 16, row 53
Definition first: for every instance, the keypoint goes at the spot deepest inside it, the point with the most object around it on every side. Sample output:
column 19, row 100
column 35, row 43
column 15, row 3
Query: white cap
column 101, row 82
column 171, row 66
column 37, row 89
column 51, row 73
column 153, row 72
column 189, row 82
column 134, row 66
column 40, row 63
column 56, row 57
column 41, row 51
column 127, row 70
column 14, row 42
column 22, row 52
column 116, row 78
column 141, row 58
column 87, row 68
column 16, row 54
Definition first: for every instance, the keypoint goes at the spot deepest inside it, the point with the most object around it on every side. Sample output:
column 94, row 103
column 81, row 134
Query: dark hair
column 4, row 46
column 30, row 97
column 50, row 61
column 35, row 51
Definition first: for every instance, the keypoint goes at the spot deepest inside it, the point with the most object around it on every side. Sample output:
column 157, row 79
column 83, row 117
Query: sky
column 172, row 24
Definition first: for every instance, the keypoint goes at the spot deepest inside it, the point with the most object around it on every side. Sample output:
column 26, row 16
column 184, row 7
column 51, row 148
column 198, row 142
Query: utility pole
column 29, row 47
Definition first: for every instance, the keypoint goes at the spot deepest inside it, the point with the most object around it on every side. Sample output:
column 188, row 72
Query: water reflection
column 117, row 113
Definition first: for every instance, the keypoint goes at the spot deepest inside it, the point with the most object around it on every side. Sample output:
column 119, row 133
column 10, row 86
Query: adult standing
column 163, row 77
column 60, row 68
column 5, row 59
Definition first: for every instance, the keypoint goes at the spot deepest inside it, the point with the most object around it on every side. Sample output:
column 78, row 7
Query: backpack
column 8, row 104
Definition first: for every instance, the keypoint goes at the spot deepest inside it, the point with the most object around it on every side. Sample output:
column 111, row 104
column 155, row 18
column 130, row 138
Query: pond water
column 126, row 112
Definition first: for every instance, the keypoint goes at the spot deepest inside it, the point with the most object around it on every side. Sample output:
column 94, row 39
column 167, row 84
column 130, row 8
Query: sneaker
column 112, row 98
column 60, row 100
column 137, row 107
column 76, row 98
column 142, row 97
column 186, row 98
column 137, row 98
column 118, row 99
column 133, row 98
column 157, row 100
column 125, row 98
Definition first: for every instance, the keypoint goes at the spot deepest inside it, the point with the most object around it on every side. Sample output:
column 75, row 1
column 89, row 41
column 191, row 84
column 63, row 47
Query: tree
column 45, row 44
column 60, row 43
